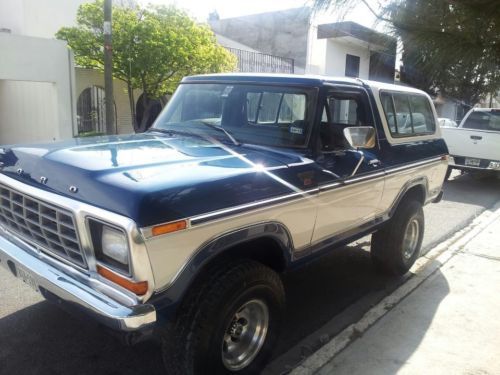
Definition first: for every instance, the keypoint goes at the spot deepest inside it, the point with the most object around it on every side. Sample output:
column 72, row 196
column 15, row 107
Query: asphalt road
column 38, row 338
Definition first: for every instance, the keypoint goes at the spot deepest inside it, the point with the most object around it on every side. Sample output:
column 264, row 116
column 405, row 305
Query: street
column 323, row 298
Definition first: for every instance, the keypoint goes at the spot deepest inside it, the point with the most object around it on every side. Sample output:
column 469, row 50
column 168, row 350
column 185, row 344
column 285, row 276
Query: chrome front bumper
column 71, row 290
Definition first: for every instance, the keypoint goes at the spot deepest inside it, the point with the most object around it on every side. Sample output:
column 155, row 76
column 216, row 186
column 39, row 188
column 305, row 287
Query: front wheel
column 397, row 245
column 228, row 324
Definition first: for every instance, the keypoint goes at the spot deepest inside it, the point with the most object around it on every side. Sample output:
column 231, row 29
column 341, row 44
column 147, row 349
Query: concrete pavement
column 447, row 324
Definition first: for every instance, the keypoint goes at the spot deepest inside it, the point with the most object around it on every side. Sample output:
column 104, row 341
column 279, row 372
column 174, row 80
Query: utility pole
column 108, row 69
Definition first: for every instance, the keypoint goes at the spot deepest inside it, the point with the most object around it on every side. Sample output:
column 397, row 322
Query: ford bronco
column 182, row 232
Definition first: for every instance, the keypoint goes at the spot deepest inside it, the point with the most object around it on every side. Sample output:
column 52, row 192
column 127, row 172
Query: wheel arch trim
column 216, row 248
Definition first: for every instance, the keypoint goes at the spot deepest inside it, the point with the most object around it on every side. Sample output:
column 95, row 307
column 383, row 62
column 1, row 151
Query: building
column 43, row 96
column 338, row 49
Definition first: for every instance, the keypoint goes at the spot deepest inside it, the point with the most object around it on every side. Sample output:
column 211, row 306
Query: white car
column 475, row 144
column 446, row 122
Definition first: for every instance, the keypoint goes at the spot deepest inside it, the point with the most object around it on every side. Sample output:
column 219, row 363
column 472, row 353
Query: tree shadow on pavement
column 388, row 345
column 326, row 296
column 481, row 190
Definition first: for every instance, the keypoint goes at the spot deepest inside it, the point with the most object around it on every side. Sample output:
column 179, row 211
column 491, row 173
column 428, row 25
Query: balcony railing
column 255, row 62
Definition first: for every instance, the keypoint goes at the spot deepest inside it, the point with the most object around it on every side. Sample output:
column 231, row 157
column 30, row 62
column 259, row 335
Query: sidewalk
column 450, row 324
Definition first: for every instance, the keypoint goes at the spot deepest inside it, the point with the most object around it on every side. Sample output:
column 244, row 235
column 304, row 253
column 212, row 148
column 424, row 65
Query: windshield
column 483, row 120
column 258, row 114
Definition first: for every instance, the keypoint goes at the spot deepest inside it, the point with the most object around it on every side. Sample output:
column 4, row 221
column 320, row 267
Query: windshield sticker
column 295, row 130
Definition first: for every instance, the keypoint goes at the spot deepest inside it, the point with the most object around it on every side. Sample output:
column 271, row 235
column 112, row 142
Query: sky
column 234, row 8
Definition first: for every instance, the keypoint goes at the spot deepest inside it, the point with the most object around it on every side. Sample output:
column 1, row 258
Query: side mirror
column 360, row 136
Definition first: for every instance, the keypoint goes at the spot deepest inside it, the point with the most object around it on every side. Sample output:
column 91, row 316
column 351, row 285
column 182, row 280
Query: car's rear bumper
column 55, row 284
column 460, row 162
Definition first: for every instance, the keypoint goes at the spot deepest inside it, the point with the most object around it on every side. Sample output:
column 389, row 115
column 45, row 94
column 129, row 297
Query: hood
column 151, row 178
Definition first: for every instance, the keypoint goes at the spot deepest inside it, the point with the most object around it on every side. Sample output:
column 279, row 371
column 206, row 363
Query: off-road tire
column 192, row 345
column 387, row 250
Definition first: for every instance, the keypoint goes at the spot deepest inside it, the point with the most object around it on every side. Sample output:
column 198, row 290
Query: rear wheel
column 228, row 324
column 397, row 245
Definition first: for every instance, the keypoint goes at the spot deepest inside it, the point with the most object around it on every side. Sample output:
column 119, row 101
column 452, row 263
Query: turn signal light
column 140, row 288
column 169, row 227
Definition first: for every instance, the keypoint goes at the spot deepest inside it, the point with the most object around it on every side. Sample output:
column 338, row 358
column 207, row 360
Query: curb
column 423, row 269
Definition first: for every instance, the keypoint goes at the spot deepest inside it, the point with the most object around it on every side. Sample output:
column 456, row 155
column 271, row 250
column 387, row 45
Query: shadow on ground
column 323, row 298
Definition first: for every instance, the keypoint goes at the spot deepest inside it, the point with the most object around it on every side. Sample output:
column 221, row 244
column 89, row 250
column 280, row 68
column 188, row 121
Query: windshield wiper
column 221, row 129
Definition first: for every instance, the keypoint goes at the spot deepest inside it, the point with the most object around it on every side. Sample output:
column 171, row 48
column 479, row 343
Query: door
column 352, row 180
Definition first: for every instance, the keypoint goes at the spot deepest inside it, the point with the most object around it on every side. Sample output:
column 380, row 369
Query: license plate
column 27, row 277
column 472, row 162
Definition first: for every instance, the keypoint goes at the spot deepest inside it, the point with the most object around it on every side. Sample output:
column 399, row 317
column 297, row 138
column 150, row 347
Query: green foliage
column 153, row 46
column 450, row 46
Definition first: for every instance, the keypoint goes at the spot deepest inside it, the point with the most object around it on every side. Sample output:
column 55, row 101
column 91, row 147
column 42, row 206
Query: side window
column 341, row 110
column 390, row 113
column 408, row 114
column 345, row 111
column 422, row 116
column 403, row 118
column 269, row 108
column 293, row 108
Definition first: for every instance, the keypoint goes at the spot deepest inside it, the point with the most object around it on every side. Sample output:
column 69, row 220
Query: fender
column 421, row 181
column 167, row 300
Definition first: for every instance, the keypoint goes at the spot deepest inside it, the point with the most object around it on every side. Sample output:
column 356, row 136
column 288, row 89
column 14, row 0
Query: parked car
column 475, row 145
column 182, row 232
column 447, row 122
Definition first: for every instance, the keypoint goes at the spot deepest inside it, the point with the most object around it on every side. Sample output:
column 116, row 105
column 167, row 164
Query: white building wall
column 40, row 18
column 37, row 76
column 336, row 52
column 328, row 56
column 30, row 119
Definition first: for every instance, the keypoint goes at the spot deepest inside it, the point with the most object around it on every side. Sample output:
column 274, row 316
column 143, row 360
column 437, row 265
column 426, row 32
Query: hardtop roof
column 295, row 79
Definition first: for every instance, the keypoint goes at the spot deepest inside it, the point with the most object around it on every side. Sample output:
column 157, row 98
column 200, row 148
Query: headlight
column 114, row 244
column 110, row 246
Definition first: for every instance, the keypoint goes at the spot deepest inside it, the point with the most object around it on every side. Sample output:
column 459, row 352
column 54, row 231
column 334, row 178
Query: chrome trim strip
column 194, row 220
column 304, row 194
column 371, row 176
column 69, row 289
column 413, row 165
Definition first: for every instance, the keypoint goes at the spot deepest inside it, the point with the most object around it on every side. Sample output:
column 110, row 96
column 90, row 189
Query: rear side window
column 271, row 108
column 483, row 121
column 408, row 114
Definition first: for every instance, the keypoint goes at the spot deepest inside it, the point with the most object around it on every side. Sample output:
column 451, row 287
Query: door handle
column 476, row 137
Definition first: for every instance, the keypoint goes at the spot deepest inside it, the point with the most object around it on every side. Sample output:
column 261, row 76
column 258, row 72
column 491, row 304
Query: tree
column 153, row 48
column 449, row 46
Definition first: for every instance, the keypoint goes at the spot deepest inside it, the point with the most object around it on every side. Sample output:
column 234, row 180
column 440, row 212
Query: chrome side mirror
column 360, row 136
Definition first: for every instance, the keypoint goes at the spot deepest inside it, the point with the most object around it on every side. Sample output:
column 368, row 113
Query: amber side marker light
column 140, row 288
column 169, row 228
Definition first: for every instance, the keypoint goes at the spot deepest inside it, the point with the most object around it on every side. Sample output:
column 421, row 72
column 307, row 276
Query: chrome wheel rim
column 411, row 238
column 245, row 335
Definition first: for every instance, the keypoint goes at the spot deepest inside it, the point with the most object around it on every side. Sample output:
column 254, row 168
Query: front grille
column 51, row 228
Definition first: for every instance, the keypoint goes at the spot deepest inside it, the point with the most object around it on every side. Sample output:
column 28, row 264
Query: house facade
column 43, row 96
column 339, row 49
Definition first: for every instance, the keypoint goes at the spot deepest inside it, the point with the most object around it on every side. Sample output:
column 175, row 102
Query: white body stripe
column 309, row 218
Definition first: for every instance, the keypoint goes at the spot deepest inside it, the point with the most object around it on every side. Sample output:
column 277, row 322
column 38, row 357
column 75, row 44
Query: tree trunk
column 147, row 105
column 131, row 101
